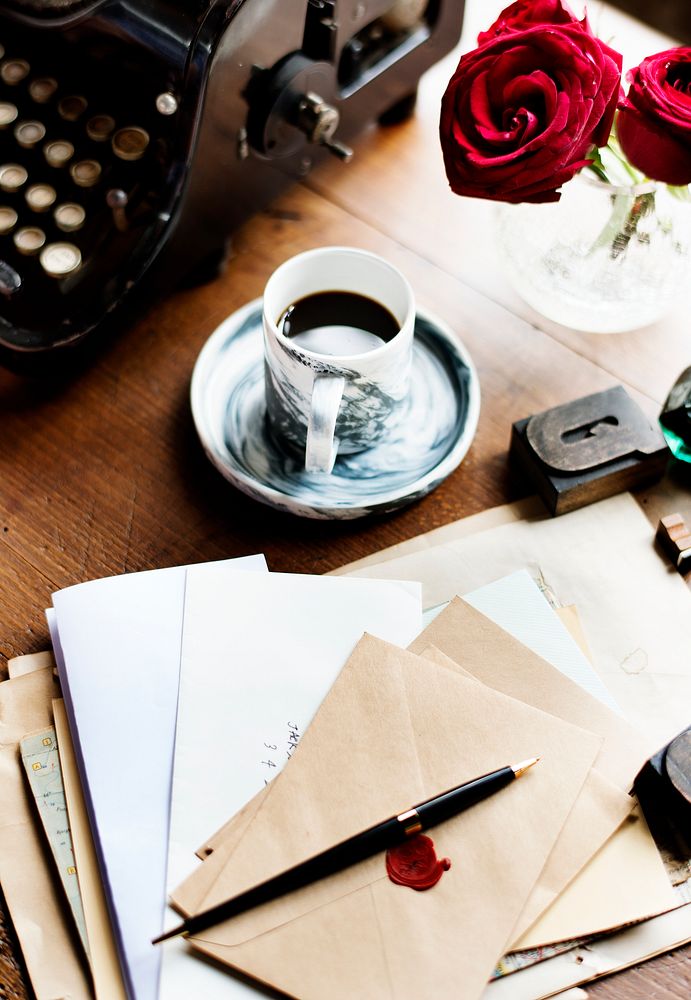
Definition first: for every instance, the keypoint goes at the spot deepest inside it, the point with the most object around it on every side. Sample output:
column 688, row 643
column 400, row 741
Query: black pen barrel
column 354, row 849
column 348, row 852
column 451, row 803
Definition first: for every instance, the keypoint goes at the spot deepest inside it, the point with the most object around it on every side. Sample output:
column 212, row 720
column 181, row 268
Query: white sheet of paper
column 634, row 608
column 259, row 655
column 117, row 644
column 515, row 603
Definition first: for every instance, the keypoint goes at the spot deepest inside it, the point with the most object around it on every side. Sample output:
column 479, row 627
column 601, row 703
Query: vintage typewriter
column 135, row 135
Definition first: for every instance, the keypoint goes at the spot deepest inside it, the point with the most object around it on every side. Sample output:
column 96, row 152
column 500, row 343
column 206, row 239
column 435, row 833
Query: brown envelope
column 34, row 898
column 499, row 660
column 396, row 729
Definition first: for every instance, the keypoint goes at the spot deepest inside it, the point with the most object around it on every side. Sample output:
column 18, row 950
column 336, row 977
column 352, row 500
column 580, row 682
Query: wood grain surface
column 102, row 473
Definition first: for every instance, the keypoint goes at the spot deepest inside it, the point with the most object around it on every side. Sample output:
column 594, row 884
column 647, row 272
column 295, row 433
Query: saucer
column 229, row 412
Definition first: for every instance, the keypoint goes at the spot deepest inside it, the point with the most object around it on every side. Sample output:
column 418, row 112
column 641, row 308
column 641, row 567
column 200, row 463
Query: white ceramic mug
column 322, row 403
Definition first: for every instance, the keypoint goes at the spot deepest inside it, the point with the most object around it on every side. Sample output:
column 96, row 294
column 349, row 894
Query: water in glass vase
column 605, row 258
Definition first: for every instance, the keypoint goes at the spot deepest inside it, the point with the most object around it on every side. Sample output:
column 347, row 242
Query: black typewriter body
column 135, row 135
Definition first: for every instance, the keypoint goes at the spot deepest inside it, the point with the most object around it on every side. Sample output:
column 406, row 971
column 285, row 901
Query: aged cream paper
column 34, row 898
column 600, row 558
column 20, row 665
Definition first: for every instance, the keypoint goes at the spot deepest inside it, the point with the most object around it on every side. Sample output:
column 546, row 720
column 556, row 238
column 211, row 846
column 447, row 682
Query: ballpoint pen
column 363, row 845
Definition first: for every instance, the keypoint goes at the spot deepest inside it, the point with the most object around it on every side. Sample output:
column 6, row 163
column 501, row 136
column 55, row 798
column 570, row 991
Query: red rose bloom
column 654, row 124
column 522, row 111
column 525, row 14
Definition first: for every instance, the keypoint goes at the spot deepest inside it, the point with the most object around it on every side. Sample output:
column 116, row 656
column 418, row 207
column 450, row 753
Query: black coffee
column 338, row 323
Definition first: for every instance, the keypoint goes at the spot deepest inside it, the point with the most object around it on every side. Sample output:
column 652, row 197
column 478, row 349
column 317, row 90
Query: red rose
column 654, row 124
column 522, row 111
column 525, row 14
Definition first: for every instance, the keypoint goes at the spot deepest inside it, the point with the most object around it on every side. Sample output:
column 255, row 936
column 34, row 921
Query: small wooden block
column 588, row 449
column 674, row 536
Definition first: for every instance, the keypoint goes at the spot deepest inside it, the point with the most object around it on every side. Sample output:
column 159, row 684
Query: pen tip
column 169, row 934
column 519, row 769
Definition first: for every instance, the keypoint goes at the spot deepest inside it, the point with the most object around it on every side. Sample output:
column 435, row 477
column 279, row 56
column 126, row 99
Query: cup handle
column 322, row 445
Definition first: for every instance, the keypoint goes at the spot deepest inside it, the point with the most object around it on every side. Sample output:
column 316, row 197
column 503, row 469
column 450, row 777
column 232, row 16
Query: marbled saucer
column 229, row 412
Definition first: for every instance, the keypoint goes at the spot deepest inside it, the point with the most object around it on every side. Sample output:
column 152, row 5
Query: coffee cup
column 338, row 338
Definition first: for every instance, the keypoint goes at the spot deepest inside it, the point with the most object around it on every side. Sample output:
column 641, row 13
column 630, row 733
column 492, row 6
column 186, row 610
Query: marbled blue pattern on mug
column 437, row 425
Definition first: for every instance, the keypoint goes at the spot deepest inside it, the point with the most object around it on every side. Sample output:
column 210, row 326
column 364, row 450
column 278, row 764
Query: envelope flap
column 504, row 663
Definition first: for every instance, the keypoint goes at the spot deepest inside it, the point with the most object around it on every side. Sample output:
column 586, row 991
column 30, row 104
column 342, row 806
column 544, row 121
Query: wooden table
column 104, row 474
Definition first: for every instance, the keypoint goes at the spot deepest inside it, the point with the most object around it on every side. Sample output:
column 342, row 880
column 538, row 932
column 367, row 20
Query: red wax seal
column 414, row 863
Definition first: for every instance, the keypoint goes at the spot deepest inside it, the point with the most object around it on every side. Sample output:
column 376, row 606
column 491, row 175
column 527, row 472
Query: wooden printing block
column 588, row 449
column 674, row 537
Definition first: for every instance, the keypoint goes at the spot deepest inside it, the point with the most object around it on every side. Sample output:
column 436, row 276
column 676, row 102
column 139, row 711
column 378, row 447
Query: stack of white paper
column 259, row 651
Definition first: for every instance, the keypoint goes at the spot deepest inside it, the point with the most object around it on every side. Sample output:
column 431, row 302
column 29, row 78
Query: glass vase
column 603, row 259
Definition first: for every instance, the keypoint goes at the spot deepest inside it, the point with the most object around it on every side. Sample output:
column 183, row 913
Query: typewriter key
column 130, row 143
column 166, row 103
column 40, row 197
column 58, row 153
column 8, row 114
column 14, row 70
column 29, row 240
column 8, row 219
column 85, row 173
column 73, row 107
column 99, row 127
column 60, row 259
column 42, row 90
column 12, row 176
column 29, row 134
column 69, row 217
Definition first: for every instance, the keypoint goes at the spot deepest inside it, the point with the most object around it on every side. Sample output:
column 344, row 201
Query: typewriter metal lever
column 290, row 103
column 319, row 120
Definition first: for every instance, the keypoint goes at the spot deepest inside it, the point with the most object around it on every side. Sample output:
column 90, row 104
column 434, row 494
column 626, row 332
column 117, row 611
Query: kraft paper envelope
column 499, row 660
column 33, row 895
column 396, row 729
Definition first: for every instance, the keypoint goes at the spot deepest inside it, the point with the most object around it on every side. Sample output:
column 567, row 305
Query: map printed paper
column 42, row 764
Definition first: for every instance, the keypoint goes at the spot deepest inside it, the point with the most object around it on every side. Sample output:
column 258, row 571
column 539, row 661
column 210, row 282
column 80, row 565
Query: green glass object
column 675, row 419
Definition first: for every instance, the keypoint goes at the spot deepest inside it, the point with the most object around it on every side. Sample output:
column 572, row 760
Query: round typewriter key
column 85, row 173
column 69, row 217
column 100, row 127
column 58, row 153
column 8, row 219
column 29, row 134
column 12, row 176
column 73, row 107
column 166, row 104
column 40, row 197
column 29, row 240
column 8, row 114
column 14, row 70
column 42, row 89
column 60, row 259
column 130, row 143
